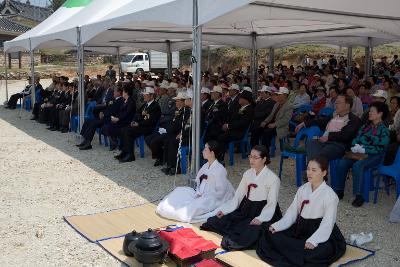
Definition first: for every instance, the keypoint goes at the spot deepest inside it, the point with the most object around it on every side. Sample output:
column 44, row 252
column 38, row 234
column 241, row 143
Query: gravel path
column 45, row 177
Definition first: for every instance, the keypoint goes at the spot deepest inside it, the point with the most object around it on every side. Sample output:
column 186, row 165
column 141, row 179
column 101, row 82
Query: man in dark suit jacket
column 106, row 97
column 239, row 122
column 233, row 102
column 111, row 73
column 121, row 117
column 216, row 114
column 89, row 126
column 144, row 124
column 262, row 109
column 206, row 101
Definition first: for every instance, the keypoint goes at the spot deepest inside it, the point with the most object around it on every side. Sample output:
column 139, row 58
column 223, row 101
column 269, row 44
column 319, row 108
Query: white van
column 152, row 61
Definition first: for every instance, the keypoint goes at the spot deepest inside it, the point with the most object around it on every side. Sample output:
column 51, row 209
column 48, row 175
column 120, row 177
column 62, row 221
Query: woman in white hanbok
column 212, row 190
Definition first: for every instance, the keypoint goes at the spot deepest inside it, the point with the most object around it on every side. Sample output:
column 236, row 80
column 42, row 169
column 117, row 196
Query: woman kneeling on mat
column 307, row 234
column 254, row 206
column 212, row 190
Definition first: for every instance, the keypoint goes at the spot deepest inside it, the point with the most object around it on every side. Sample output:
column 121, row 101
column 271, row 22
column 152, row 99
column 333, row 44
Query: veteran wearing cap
column 216, row 114
column 205, row 97
column 278, row 124
column 263, row 108
column 173, row 126
column 144, row 124
column 233, row 102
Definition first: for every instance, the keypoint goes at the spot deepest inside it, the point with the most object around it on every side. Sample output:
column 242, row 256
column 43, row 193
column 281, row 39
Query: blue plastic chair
column 272, row 149
column 300, row 158
column 302, row 109
column 365, row 107
column 244, row 143
column 391, row 171
column 327, row 111
column 183, row 153
column 89, row 110
column 105, row 137
column 140, row 141
column 332, row 170
column 28, row 104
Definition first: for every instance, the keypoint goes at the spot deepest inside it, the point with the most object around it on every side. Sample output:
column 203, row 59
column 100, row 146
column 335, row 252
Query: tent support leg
column 119, row 63
column 349, row 59
column 6, row 72
column 196, row 69
column 33, row 79
column 169, row 59
column 81, row 86
column 271, row 59
column 368, row 58
column 254, row 63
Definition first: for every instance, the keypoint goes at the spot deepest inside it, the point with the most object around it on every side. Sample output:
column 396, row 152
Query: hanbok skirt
column 286, row 248
column 235, row 227
column 183, row 205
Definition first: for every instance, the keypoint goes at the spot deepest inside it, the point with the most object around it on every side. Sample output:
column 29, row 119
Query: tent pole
column 208, row 58
column 196, row 70
column 5, row 65
column 81, row 86
column 368, row 58
column 253, row 62
column 349, row 59
column 33, row 87
column 119, row 63
column 169, row 59
column 271, row 59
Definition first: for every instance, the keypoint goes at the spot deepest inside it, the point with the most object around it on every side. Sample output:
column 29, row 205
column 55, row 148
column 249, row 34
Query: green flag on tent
column 76, row 3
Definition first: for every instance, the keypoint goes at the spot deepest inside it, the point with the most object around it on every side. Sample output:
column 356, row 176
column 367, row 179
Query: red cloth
column 208, row 263
column 185, row 243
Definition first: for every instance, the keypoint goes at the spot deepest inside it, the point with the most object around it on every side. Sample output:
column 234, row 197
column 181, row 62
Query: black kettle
column 129, row 238
column 147, row 247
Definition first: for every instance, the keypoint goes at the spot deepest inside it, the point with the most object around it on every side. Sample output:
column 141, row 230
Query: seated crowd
column 364, row 121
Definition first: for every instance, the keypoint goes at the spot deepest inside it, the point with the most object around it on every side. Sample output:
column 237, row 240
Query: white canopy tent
column 251, row 24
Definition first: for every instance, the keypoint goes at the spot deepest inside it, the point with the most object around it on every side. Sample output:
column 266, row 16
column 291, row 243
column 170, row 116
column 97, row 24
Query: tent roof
column 229, row 22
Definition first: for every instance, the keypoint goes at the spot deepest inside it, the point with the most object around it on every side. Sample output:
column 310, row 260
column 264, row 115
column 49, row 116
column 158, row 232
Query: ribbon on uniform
column 203, row 177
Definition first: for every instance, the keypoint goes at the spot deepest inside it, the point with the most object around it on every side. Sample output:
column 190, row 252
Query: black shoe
column 64, row 130
column 340, row 194
column 86, row 146
column 113, row 145
column 166, row 170
column 158, row 163
column 81, row 144
column 173, row 171
column 50, row 128
column 120, row 156
column 54, row 129
column 127, row 158
column 358, row 201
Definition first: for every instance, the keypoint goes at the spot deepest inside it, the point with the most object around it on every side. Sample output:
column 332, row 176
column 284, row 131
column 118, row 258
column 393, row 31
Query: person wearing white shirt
column 307, row 235
column 254, row 206
column 212, row 190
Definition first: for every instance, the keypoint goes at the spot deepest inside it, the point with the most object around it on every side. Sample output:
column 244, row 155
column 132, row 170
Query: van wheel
column 138, row 71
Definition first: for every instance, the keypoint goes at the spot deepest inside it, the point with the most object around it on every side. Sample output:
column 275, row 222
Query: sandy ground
column 44, row 177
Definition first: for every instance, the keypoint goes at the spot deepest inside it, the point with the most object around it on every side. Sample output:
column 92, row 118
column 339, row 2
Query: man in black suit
column 123, row 116
column 239, row 122
column 106, row 97
column 263, row 108
column 111, row 73
column 144, row 124
column 89, row 126
column 205, row 98
column 216, row 114
column 233, row 102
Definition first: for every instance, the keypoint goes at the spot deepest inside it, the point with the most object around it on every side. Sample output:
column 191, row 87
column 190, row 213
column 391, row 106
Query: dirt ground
column 44, row 177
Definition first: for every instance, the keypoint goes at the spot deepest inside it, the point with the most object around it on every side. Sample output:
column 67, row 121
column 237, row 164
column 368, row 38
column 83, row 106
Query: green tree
column 55, row 4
